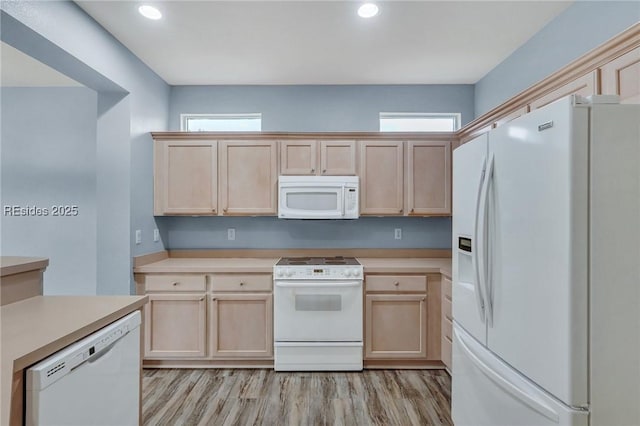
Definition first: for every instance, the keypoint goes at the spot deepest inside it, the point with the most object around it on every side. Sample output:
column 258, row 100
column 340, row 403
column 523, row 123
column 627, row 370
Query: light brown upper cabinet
column 185, row 177
column 381, row 177
column 584, row 86
column 248, row 177
column 311, row 157
column 622, row 77
column 429, row 178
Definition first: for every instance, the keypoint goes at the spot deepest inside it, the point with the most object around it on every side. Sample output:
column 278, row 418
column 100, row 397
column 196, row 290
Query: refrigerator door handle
column 474, row 250
column 509, row 387
column 486, row 238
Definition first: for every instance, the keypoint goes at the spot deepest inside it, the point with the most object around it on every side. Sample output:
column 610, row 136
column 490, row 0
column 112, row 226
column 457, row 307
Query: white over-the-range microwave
column 318, row 197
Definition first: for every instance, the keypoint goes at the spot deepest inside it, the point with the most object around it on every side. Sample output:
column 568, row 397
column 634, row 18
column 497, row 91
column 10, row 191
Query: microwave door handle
column 342, row 199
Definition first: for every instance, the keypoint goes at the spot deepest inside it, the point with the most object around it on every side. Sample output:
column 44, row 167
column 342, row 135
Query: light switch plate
column 398, row 234
column 156, row 235
column 138, row 236
column 231, row 234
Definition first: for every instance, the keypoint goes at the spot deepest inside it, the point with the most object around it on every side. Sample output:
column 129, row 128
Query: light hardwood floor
column 264, row 397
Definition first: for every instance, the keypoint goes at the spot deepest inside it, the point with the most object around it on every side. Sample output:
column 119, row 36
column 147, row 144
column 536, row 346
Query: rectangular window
column 419, row 122
column 221, row 122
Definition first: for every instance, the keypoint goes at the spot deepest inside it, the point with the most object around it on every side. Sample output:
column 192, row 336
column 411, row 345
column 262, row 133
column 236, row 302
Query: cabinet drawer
column 446, row 351
column 257, row 282
column 175, row 283
column 406, row 283
column 446, row 288
column 446, row 309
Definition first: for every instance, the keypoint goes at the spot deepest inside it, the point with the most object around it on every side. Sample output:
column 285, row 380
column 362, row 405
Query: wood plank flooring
column 264, row 397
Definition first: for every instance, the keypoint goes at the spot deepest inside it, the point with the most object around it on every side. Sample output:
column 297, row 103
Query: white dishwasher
column 95, row 381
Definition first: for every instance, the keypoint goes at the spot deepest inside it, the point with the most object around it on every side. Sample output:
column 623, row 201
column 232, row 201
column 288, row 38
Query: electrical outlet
column 231, row 234
column 156, row 235
column 398, row 234
column 138, row 236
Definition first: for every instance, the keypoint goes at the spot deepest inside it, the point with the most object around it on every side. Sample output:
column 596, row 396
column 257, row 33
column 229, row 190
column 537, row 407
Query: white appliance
column 318, row 197
column 95, row 381
column 317, row 314
column 546, row 282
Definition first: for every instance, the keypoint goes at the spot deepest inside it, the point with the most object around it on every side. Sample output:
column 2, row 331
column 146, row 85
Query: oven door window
column 318, row 302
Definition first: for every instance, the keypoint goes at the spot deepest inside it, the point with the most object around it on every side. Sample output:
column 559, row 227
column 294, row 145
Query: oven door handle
column 323, row 284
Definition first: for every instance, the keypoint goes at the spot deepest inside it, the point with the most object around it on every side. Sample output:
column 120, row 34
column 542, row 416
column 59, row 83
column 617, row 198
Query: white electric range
column 317, row 314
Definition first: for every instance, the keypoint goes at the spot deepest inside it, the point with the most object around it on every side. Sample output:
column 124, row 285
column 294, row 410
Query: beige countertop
column 209, row 265
column 265, row 265
column 10, row 265
column 406, row 266
column 37, row 327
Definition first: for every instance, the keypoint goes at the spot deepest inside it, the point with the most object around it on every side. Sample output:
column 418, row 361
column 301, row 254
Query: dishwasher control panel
column 73, row 356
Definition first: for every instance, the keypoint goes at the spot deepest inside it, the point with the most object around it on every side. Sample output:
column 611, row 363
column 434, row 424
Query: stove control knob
column 278, row 273
column 355, row 273
column 288, row 272
column 347, row 272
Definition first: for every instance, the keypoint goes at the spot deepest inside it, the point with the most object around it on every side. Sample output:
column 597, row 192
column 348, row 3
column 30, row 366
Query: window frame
column 457, row 117
column 184, row 119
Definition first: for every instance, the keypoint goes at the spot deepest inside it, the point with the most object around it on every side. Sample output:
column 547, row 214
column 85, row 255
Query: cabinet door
column 447, row 322
column 241, row 325
column 185, row 178
column 175, row 326
column 584, row 86
column 622, row 77
column 248, row 177
column 429, row 178
column 298, row 157
column 381, row 178
column 338, row 157
column 395, row 326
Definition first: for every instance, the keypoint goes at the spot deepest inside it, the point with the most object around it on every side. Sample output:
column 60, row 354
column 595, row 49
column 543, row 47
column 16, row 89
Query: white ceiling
column 324, row 42
column 20, row 70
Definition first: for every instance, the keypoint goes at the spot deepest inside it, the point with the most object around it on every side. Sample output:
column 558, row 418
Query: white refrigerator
column 546, row 269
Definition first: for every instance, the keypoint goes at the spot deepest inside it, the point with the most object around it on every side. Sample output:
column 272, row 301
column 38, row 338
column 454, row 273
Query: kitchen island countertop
column 35, row 328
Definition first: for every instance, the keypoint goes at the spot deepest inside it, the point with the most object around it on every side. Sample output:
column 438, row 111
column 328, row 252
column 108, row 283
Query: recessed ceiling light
column 368, row 10
column 149, row 12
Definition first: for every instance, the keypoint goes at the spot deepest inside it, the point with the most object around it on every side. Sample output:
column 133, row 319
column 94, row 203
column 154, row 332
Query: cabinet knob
column 224, row 210
column 313, row 170
column 324, row 171
column 175, row 283
column 213, row 210
column 400, row 211
column 396, row 283
column 241, row 283
column 201, row 299
column 213, row 298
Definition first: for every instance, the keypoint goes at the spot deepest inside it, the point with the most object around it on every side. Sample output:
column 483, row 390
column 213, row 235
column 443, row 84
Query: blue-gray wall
column 340, row 108
column 49, row 159
column 580, row 28
column 268, row 232
column 132, row 101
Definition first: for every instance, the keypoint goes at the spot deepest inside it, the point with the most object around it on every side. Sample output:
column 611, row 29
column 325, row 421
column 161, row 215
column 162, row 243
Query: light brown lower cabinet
column 200, row 318
column 447, row 322
column 241, row 325
column 402, row 318
column 175, row 326
column 395, row 326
